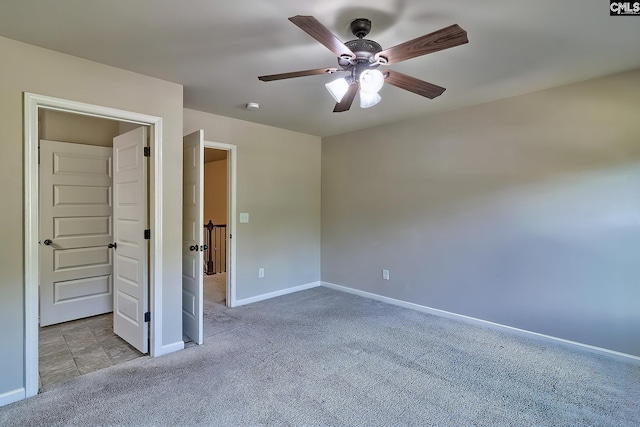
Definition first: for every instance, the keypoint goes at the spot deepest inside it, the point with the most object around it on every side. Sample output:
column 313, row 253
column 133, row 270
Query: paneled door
column 130, row 266
column 192, row 239
column 75, row 231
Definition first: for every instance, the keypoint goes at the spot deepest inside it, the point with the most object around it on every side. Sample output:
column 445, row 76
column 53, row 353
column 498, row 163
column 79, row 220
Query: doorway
column 231, row 185
column 215, row 234
column 79, row 246
column 32, row 105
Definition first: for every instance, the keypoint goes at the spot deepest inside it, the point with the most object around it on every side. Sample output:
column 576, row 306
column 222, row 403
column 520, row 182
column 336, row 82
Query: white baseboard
column 170, row 348
column 277, row 293
column 629, row 358
column 12, row 396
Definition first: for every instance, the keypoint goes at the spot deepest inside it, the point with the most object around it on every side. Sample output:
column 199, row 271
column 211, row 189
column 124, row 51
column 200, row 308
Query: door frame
column 232, row 163
column 32, row 103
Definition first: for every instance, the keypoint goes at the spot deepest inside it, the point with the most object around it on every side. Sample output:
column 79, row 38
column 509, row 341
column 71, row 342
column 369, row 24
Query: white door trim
column 232, row 162
column 32, row 102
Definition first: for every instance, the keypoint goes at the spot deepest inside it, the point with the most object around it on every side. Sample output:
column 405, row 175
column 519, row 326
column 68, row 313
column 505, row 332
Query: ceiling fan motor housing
column 365, row 51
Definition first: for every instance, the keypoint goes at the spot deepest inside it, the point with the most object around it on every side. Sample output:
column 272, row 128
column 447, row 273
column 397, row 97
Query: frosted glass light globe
column 371, row 81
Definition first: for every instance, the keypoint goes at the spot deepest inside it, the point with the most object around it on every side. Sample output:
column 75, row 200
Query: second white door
column 192, row 241
column 130, row 265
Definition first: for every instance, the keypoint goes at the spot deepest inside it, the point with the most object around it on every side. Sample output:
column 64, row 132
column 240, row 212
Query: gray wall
column 32, row 69
column 523, row 211
column 279, row 186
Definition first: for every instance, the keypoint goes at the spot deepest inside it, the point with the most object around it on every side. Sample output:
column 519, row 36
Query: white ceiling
column 216, row 49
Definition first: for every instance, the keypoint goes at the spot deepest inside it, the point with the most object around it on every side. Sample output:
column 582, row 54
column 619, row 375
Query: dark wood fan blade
column 414, row 85
column 347, row 99
column 293, row 74
column 315, row 29
column 438, row 40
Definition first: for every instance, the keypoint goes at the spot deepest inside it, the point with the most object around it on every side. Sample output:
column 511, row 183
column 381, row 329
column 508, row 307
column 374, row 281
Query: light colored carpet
column 322, row 357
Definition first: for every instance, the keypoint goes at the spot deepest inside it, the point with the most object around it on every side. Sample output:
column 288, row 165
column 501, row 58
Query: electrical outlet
column 261, row 272
column 385, row 274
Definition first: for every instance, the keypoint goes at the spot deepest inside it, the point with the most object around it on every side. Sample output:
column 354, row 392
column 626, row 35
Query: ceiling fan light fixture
column 338, row 88
column 371, row 81
column 369, row 99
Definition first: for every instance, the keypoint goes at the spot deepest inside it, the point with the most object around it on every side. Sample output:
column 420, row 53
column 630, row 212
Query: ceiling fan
column 361, row 58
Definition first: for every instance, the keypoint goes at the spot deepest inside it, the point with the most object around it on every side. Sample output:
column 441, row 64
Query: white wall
column 279, row 186
column 27, row 68
column 523, row 211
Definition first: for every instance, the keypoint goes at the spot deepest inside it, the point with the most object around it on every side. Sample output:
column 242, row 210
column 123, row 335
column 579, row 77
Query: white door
column 130, row 265
column 192, row 245
column 75, row 231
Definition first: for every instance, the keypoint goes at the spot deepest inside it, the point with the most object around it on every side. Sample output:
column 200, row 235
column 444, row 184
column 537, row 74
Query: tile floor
column 69, row 349
column 75, row 348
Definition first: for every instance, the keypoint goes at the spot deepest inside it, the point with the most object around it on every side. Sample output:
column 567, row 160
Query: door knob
column 112, row 245
column 48, row 242
column 193, row 248
column 204, row 248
